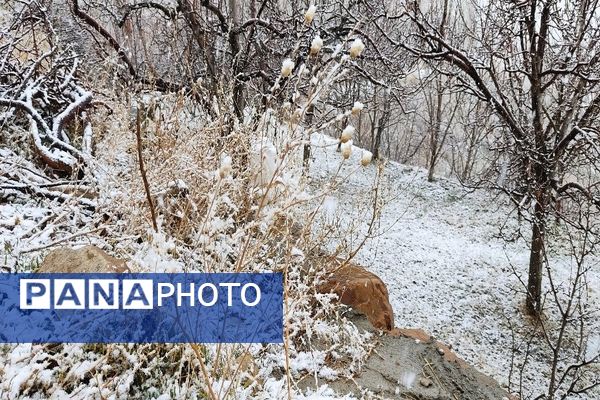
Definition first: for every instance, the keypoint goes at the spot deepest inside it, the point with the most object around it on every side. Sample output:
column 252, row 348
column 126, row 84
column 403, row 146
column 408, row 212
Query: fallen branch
column 65, row 239
column 30, row 189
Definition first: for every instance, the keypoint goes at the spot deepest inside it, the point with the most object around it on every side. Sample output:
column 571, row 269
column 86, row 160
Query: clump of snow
column 593, row 347
column 309, row 15
column 357, row 107
column 156, row 254
column 314, row 363
column 316, row 45
column 225, row 168
column 329, row 209
column 264, row 161
column 356, row 48
column 347, row 134
column 287, row 67
column 408, row 379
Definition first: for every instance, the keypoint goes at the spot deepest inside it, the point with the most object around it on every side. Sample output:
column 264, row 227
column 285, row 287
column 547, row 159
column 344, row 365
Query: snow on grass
column 436, row 247
column 446, row 268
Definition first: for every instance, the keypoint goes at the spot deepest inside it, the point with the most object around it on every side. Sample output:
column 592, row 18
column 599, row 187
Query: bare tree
column 565, row 340
column 474, row 135
column 441, row 109
column 537, row 65
column 223, row 45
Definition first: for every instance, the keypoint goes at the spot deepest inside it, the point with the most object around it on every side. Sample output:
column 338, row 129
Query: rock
column 425, row 382
column 420, row 336
column 364, row 292
column 411, row 352
column 83, row 260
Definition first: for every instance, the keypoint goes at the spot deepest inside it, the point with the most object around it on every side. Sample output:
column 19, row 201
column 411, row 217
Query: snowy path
column 440, row 254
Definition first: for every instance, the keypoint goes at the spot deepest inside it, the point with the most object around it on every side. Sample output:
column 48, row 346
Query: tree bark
column 434, row 135
column 310, row 112
column 381, row 124
column 536, row 260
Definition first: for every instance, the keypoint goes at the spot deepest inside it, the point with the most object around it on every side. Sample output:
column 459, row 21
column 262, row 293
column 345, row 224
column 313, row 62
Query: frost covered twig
column 60, row 241
column 18, row 176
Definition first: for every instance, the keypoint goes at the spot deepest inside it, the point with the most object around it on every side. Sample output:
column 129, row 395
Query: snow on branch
column 82, row 101
column 43, row 96
column 20, row 177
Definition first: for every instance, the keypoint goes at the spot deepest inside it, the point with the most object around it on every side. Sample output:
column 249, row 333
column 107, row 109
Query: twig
column 138, row 135
column 286, row 343
column 435, row 376
column 65, row 239
column 32, row 189
column 204, row 371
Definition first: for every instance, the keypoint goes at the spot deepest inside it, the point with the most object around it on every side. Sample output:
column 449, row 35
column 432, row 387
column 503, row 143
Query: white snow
column 436, row 247
column 264, row 160
column 408, row 379
column 438, row 250
column 593, row 346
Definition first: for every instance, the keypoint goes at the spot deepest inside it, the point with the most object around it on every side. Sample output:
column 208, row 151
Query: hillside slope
column 448, row 271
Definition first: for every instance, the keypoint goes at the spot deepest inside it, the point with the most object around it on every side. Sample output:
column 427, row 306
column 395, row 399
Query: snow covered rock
column 364, row 291
column 84, row 260
column 407, row 364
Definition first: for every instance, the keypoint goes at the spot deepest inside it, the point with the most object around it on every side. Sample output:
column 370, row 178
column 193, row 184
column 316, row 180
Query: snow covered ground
column 446, row 268
column 437, row 247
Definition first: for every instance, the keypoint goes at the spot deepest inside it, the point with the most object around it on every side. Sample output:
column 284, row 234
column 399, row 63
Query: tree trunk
column 377, row 142
column 431, row 170
column 434, row 136
column 381, row 125
column 536, row 260
column 434, row 147
column 237, row 64
column 310, row 112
